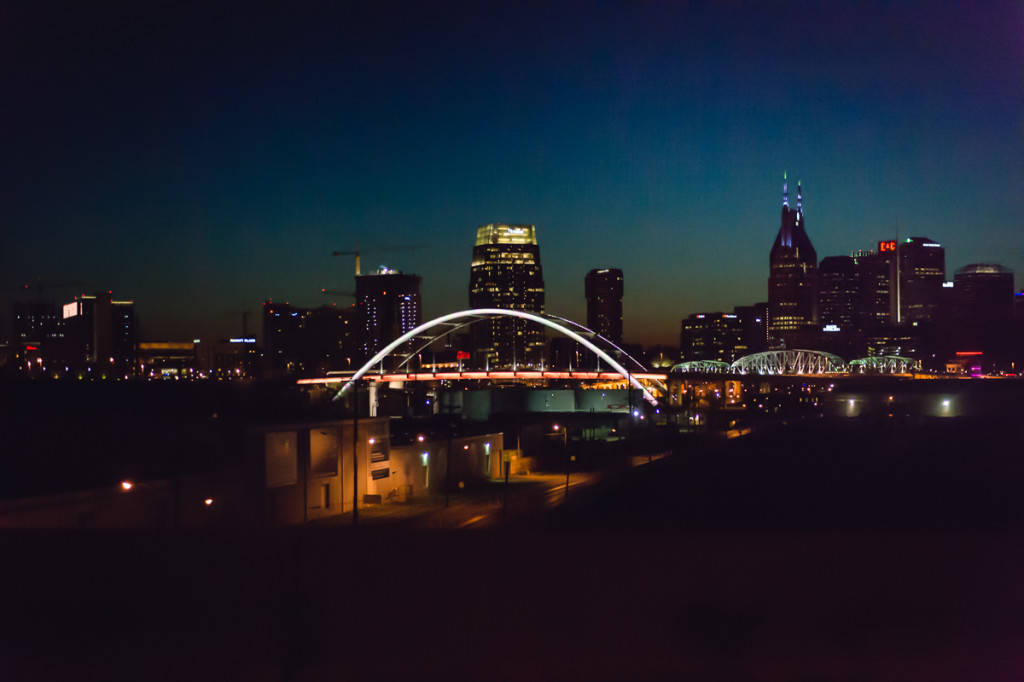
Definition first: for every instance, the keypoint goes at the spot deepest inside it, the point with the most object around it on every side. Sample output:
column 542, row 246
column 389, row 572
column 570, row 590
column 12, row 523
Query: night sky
column 201, row 160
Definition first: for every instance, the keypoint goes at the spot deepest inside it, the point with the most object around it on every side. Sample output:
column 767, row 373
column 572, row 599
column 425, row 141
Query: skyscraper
column 712, row 336
column 506, row 273
column 792, row 278
column 876, row 275
column 389, row 306
column 838, row 293
column 604, row 303
column 922, row 270
column 983, row 310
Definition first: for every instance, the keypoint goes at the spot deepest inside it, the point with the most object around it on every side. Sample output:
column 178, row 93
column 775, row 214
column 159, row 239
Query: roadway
column 525, row 500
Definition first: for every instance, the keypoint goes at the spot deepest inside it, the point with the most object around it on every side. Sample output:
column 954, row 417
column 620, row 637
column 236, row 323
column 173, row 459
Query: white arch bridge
column 429, row 332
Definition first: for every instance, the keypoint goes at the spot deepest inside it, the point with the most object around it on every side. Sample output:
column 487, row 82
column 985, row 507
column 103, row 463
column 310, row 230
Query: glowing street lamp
column 565, row 455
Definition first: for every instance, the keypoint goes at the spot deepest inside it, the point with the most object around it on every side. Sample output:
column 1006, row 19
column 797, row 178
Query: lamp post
column 565, row 455
column 448, row 472
column 355, row 454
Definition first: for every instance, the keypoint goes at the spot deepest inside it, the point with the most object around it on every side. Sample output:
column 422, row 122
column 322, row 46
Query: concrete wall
column 548, row 400
column 605, row 400
column 309, row 467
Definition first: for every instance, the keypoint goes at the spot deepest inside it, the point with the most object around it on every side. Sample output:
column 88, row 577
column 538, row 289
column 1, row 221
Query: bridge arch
column 713, row 366
column 463, row 317
column 885, row 364
column 793, row 361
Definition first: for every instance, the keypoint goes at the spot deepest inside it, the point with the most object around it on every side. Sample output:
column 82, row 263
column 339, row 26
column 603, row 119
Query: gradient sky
column 201, row 160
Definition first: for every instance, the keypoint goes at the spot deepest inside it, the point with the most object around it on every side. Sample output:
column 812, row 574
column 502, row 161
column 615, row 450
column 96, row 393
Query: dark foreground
column 810, row 553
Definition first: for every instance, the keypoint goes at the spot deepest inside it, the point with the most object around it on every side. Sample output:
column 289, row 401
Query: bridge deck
column 493, row 374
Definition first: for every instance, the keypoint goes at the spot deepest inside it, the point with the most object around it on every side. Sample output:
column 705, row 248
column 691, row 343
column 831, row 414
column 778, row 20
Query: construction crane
column 384, row 249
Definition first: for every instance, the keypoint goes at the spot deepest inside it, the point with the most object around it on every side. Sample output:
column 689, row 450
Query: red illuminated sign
column 462, row 355
column 884, row 247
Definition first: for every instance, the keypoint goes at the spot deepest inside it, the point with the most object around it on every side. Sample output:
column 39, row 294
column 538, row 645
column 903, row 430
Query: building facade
column 306, row 341
column 506, row 273
column 922, row 270
column 99, row 336
column 983, row 312
column 604, row 290
column 876, row 277
column 792, row 279
column 389, row 306
column 712, row 336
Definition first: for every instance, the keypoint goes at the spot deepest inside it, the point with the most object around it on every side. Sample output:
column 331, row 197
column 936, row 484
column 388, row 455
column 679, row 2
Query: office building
column 754, row 325
column 839, row 293
column 506, row 273
column 99, row 337
column 983, row 310
column 876, row 277
column 792, row 280
column 604, row 303
column 309, row 341
column 389, row 306
column 922, row 270
column 712, row 336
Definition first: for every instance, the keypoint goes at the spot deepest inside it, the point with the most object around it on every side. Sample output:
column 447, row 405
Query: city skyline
column 201, row 161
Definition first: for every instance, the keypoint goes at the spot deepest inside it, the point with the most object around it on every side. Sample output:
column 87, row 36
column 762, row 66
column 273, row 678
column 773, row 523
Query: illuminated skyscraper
column 604, row 303
column 876, row 274
column 712, row 336
column 506, row 273
column 389, row 306
column 792, row 279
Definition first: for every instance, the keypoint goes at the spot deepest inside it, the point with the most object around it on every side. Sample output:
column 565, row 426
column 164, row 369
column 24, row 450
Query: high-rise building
column 604, row 303
column 306, row 341
column 506, row 273
column 922, row 270
column 712, row 336
column 792, row 279
column 754, row 324
column 389, row 306
column 876, row 275
column 99, row 336
column 839, row 293
column 983, row 310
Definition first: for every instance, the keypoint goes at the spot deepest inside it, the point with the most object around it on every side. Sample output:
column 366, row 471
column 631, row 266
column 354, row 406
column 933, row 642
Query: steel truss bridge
column 798, row 361
column 885, row 364
column 427, row 333
column 789, row 362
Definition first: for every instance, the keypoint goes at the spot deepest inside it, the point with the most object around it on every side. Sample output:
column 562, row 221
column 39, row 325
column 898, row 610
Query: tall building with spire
column 792, row 278
column 506, row 273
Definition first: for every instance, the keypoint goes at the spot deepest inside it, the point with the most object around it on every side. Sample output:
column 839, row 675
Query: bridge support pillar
column 373, row 398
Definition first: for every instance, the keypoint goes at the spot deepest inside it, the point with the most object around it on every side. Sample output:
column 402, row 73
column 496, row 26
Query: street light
column 565, row 455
